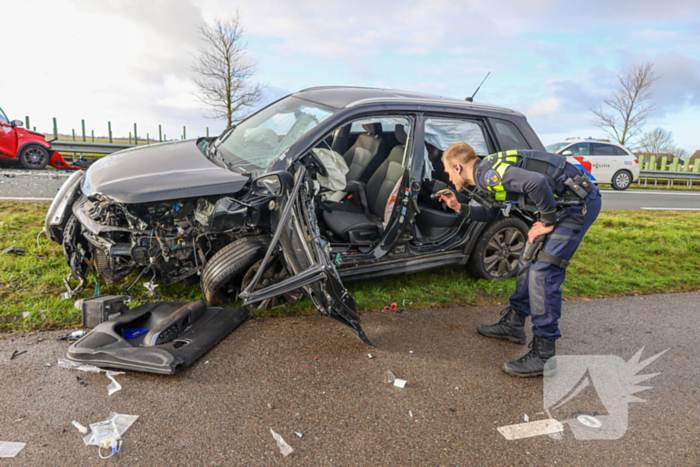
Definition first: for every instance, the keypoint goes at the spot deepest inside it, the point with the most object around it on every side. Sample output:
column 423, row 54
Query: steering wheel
column 317, row 162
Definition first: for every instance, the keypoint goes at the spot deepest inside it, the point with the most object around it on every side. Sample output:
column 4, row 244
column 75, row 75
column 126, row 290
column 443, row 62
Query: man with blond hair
column 566, row 202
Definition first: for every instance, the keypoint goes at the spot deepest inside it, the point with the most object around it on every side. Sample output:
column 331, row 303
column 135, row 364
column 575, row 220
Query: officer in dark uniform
column 538, row 181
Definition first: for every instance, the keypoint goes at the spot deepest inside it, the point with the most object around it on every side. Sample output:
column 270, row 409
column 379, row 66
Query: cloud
column 545, row 107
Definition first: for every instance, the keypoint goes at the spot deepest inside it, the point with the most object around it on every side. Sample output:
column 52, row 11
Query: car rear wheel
column 34, row 157
column 621, row 180
column 497, row 252
column 222, row 275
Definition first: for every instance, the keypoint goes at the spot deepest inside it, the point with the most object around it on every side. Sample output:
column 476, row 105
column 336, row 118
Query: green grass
column 625, row 252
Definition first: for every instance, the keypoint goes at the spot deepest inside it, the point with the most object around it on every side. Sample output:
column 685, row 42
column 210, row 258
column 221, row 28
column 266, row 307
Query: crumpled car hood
column 160, row 172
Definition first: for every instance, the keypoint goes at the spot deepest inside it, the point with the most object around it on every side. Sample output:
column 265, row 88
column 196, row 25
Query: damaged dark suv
column 326, row 185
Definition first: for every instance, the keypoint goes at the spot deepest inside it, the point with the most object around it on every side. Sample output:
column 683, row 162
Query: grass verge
column 625, row 252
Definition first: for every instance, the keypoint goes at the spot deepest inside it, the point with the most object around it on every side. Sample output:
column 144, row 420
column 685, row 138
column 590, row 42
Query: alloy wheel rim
column 503, row 252
column 34, row 156
column 623, row 180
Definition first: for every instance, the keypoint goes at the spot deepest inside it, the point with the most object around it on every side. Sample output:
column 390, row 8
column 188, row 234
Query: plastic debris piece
column 285, row 448
column 112, row 429
column 298, row 434
column 410, row 351
column 400, row 383
column 47, row 365
column 113, row 386
column 151, row 287
column 207, row 362
column 526, row 418
column 10, row 449
column 13, row 250
column 81, row 428
column 410, row 413
column 390, row 377
column 26, row 314
column 63, row 363
column 404, row 302
column 369, row 355
column 17, row 353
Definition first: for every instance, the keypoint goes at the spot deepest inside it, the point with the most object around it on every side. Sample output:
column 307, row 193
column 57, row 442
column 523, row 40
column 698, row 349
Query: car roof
column 342, row 97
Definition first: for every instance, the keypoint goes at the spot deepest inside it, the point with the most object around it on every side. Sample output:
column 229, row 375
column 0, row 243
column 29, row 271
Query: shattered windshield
column 258, row 141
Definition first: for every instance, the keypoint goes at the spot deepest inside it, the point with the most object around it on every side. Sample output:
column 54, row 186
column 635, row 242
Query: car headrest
column 400, row 133
column 373, row 128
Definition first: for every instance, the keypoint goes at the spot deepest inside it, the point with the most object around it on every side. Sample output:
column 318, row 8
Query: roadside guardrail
column 668, row 175
column 89, row 148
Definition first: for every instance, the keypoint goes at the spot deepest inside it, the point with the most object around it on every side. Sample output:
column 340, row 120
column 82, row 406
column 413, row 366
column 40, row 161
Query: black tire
column 222, row 275
column 621, row 180
column 34, row 157
column 496, row 254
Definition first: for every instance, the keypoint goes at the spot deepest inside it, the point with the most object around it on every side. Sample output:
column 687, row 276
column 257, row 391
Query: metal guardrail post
column 82, row 122
column 55, row 128
column 148, row 138
column 136, row 138
column 92, row 132
column 27, row 120
column 129, row 137
column 160, row 134
column 184, row 132
column 109, row 130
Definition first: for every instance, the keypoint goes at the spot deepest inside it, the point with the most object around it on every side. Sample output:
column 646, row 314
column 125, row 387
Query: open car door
column 305, row 252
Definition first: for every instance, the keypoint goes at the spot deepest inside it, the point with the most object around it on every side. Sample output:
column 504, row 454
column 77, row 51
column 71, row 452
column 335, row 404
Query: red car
column 27, row 147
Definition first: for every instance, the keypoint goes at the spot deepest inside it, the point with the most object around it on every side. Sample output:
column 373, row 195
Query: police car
column 604, row 161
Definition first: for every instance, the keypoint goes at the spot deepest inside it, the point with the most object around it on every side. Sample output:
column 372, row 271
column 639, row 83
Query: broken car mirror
column 272, row 184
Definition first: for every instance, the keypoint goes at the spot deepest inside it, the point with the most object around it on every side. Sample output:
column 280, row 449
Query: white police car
column 604, row 161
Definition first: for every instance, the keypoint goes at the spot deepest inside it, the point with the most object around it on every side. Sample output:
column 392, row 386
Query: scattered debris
column 47, row 365
column 399, row 383
column 269, row 406
column 316, row 358
column 298, row 434
column 26, row 314
column 530, row 429
column 72, row 336
column 285, row 448
column 369, row 355
column 410, row 413
column 410, row 351
column 9, row 449
column 13, row 250
column 17, row 353
column 151, row 287
column 113, row 386
column 8, row 318
column 404, row 302
column 207, row 362
column 526, row 418
column 391, row 307
column 81, row 428
column 107, row 434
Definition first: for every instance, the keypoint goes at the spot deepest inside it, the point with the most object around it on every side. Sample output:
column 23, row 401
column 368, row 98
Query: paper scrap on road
column 9, row 449
column 285, row 448
column 530, row 429
column 400, row 383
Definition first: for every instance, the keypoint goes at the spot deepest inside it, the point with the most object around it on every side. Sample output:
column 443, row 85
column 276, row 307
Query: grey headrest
column 373, row 128
column 400, row 133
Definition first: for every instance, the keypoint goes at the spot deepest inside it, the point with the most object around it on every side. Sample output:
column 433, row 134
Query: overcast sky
column 128, row 60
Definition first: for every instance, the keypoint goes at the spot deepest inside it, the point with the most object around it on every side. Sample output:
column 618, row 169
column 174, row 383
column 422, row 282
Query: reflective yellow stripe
column 512, row 152
column 501, row 195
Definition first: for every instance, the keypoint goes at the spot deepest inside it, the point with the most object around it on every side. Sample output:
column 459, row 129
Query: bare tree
column 680, row 153
column 623, row 115
column 656, row 141
column 224, row 72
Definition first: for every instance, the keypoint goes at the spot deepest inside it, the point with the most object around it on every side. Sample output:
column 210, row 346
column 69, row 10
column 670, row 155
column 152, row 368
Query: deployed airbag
column 157, row 337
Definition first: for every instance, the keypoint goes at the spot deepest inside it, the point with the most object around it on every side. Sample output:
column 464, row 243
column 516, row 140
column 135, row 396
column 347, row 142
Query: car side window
column 441, row 133
column 599, row 149
column 580, row 149
column 509, row 136
column 3, row 117
column 619, row 151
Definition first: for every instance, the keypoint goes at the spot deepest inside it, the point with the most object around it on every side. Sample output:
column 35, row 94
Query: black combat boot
column 511, row 327
column 532, row 363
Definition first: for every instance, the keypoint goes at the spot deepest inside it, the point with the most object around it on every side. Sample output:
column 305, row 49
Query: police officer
column 536, row 180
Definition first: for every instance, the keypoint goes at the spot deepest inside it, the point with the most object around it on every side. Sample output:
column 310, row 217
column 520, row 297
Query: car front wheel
column 621, row 180
column 497, row 252
column 34, row 157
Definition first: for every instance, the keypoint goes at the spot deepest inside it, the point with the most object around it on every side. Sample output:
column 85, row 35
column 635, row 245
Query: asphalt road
column 651, row 200
column 310, row 375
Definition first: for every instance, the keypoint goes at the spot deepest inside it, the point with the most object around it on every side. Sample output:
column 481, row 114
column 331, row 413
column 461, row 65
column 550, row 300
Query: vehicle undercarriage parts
column 156, row 337
column 221, row 277
column 74, row 253
column 275, row 272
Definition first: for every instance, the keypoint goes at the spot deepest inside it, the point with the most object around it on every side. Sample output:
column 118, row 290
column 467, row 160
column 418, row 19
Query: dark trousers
column 538, row 289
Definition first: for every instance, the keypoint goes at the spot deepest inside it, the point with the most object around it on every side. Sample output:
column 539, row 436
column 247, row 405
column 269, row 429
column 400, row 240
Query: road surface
column 665, row 200
column 312, row 376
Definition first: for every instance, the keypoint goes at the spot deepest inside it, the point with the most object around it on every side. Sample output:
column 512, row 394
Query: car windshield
column 3, row 117
column 553, row 148
column 258, row 141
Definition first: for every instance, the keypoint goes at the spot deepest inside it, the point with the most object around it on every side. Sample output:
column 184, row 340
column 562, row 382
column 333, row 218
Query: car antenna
column 471, row 99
